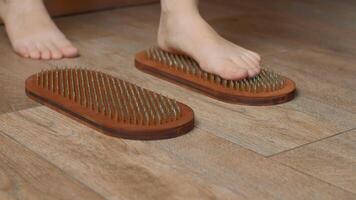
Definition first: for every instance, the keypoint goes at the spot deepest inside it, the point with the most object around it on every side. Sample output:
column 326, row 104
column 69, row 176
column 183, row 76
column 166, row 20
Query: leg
column 32, row 32
column 183, row 29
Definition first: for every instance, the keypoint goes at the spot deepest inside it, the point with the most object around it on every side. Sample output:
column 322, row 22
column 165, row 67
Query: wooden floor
column 304, row 149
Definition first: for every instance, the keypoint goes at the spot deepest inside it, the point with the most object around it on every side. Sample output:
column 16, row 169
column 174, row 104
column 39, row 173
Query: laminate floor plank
column 13, row 72
column 332, row 160
column 323, row 76
column 197, row 165
column 266, row 130
column 26, row 175
column 296, row 150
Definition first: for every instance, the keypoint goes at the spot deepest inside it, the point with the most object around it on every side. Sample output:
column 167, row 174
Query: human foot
column 32, row 32
column 188, row 33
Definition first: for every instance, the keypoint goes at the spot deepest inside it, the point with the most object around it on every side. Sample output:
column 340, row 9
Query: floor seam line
column 310, row 175
column 20, row 110
column 285, row 165
column 309, row 143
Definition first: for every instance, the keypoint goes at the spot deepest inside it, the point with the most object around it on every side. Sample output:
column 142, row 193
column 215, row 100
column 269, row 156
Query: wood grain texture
column 312, row 42
column 197, row 165
column 288, row 25
column 323, row 107
column 25, row 175
column 327, row 77
column 114, row 168
column 266, row 130
column 332, row 160
column 13, row 70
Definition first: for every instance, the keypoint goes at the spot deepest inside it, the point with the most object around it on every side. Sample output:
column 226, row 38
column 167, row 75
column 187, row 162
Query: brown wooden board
column 208, row 84
column 110, row 105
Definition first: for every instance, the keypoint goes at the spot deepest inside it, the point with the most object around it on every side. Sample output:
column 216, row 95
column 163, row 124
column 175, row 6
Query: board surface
column 111, row 105
column 267, row 88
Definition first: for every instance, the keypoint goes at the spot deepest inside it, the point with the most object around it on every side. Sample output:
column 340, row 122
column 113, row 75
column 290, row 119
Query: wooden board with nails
column 111, row 105
column 267, row 88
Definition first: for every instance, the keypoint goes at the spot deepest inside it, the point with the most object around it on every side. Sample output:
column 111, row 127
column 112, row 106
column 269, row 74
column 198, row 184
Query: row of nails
column 264, row 82
column 109, row 96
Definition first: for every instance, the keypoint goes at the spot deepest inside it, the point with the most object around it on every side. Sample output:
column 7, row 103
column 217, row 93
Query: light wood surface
column 304, row 149
column 26, row 175
column 193, row 166
column 332, row 159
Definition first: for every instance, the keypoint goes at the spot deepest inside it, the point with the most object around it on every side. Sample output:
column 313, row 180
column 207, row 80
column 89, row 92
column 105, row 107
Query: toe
column 251, row 72
column 34, row 53
column 247, row 64
column 232, row 72
column 256, row 62
column 66, row 48
column 55, row 52
column 256, row 59
column 254, row 55
column 44, row 51
column 69, row 51
column 258, row 69
column 22, row 51
column 252, row 60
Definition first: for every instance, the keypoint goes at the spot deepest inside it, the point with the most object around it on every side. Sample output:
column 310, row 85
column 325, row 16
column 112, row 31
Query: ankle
column 179, row 7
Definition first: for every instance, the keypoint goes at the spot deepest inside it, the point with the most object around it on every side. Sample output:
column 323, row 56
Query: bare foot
column 32, row 32
column 187, row 32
